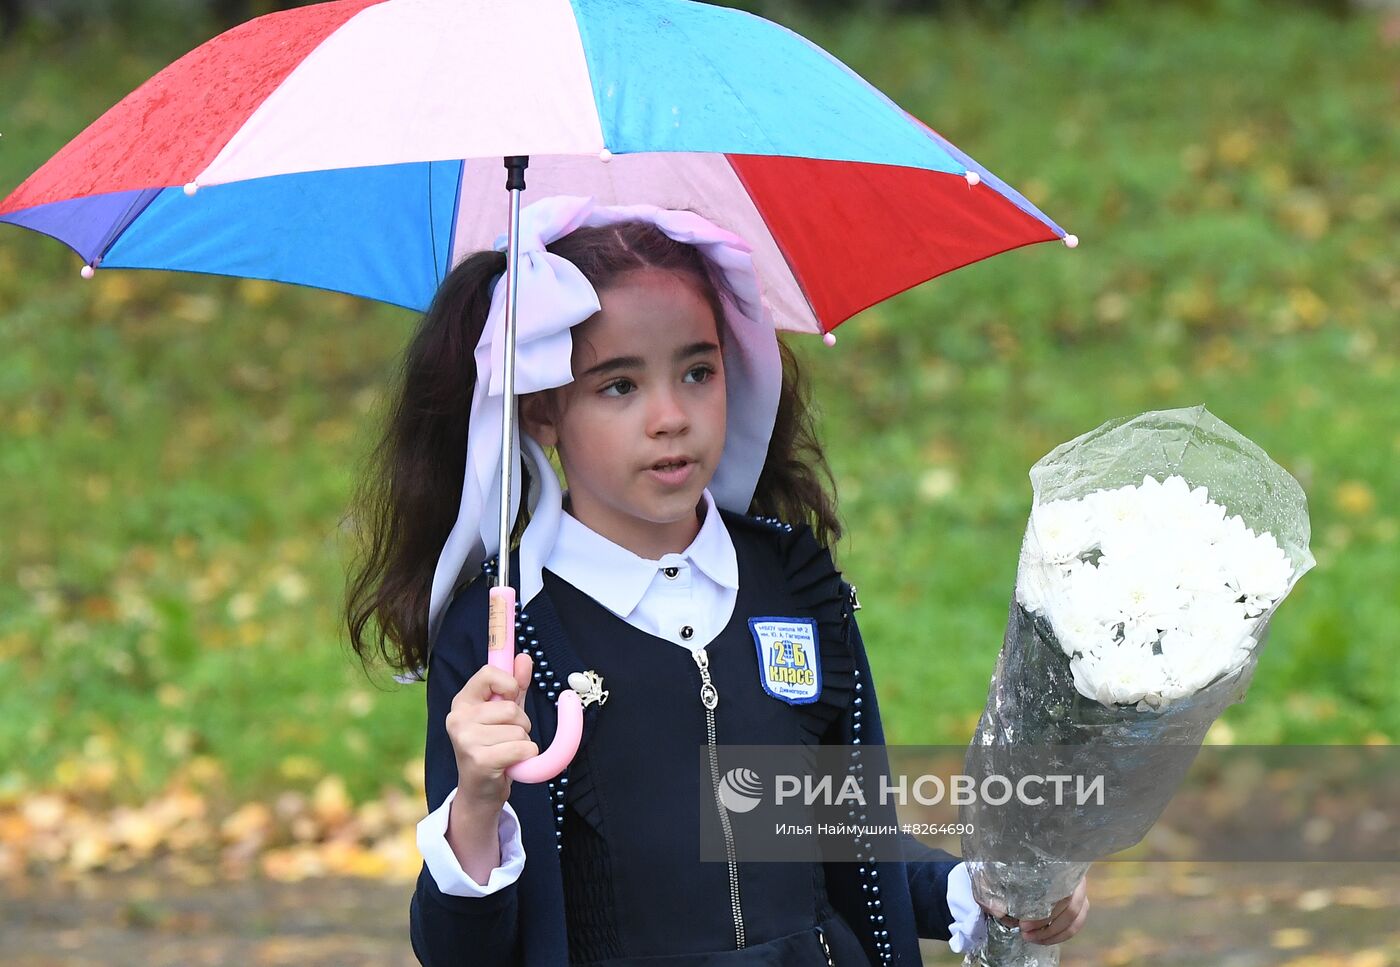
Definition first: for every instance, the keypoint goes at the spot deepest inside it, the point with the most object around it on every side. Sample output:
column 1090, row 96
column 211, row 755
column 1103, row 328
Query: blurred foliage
column 177, row 452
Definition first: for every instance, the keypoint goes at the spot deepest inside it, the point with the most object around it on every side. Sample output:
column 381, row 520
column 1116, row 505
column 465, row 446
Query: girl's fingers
column 1029, row 925
column 485, row 748
column 473, row 727
column 524, row 668
column 1067, row 917
column 499, row 758
column 1033, row 934
column 496, row 714
column 487, row 681
column 1063, row 929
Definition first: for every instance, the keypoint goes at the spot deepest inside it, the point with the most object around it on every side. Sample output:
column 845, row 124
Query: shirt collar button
column 671, row 572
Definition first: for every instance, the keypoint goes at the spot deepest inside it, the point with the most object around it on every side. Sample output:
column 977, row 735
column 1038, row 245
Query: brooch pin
column 589, row 686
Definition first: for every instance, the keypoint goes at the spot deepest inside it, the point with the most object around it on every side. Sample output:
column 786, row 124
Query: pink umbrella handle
column 500, row 652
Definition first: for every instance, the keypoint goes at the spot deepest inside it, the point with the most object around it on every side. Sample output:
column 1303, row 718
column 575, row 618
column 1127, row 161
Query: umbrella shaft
column 515, row 185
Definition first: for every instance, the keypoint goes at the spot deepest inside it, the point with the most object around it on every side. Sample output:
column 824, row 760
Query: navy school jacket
column 524, row 924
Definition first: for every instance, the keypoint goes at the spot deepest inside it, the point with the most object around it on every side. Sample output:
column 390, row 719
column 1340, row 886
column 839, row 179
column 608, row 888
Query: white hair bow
column 553, row 296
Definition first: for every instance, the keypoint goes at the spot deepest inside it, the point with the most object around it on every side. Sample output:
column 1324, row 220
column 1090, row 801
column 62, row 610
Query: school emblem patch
column 788, row 658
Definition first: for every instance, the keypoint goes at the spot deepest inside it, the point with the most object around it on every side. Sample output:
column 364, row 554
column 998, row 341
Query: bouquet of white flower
column 1157, row 550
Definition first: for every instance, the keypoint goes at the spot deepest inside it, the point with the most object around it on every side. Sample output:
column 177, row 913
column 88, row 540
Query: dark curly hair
column 407, row 500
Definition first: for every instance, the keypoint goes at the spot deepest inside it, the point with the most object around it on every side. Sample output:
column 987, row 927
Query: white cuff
column 442, row 862
column 968, row 929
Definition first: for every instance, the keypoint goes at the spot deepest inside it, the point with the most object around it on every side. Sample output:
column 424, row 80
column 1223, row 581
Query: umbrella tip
column 1071, row 241
column 829, row 339
column 191, row 188
column 605, row 156
column 972, row 177
column 87, row 271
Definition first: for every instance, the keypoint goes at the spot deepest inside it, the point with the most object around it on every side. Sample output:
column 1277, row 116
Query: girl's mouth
column 673, row 473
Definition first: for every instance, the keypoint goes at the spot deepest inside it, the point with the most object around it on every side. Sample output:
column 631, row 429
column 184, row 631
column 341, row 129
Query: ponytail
column 796, row 484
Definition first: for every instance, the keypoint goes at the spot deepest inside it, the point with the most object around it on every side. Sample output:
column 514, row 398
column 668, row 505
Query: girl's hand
column 1066, row 918
column 488, row 737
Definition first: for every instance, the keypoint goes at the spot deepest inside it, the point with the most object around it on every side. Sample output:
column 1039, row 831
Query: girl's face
column 640, row 430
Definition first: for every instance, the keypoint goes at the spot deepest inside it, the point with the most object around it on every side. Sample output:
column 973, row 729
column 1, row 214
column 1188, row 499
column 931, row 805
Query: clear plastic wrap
column 1024, row 857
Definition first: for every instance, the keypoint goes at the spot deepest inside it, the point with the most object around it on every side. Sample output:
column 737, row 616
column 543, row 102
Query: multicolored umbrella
column 357, row 146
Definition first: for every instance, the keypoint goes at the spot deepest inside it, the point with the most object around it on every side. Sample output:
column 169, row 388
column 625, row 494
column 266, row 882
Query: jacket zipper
column 709, row 697
column 852, row 606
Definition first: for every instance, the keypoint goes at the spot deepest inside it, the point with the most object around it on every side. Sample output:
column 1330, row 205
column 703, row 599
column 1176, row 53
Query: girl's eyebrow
column 632, row 362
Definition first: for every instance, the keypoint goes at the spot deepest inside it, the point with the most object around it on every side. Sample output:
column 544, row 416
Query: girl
column 648, row 363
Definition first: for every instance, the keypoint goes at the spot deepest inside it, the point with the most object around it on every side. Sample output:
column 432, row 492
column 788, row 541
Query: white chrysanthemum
column 1085, row 674
column 1142, row 632
column 1140, row 587
column 1259, row 571
column 1031, row 550
column 1078, row 629
column 1230, row 531
column 1175, row 492
column 1111, row 510
column 1128, row 540
column 1062, row 529
column 1204, row 574
column 1114, row 676
column 1081, row 587
column 1206, row 508
column 1193, row 661
column 1034, row 584
column 1215, row 615
column 1192, row 518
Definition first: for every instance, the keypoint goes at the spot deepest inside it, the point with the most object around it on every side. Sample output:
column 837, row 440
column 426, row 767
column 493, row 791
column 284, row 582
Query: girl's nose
column 667, row 416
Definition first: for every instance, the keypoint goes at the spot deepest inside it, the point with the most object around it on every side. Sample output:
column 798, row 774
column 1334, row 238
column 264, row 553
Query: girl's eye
column 623, row 387
column 706, row 373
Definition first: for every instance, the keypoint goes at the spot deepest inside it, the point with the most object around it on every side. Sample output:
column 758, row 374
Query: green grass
column 177, row 452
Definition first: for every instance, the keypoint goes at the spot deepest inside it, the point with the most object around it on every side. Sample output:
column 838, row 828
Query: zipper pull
column 709, row 695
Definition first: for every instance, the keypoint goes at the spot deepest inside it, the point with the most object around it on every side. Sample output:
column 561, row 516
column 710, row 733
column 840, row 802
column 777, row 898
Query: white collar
column 618, row 579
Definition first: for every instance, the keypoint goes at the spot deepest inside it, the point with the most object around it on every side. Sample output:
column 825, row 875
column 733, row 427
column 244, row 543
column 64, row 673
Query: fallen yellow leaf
column 91, row 849
column 251, row 820
column 1312, row 900
column 1290, row 938
column 330, row 803
column 44, row 812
